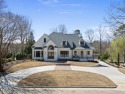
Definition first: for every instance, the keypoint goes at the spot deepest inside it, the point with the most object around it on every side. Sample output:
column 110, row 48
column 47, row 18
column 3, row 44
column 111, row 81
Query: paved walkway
column 62, row 67
column 103, row 69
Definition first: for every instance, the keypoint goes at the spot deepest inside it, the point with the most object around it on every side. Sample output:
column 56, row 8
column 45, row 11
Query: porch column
column 93, row 55
column 85, row 54
column 32, row 53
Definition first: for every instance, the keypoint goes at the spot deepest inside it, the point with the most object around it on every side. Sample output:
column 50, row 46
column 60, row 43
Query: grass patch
column 66, row 78
column 27, row 64
column 83, row 64
column 122, row 69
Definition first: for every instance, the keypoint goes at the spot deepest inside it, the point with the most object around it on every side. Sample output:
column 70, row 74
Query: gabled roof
column 72, row 40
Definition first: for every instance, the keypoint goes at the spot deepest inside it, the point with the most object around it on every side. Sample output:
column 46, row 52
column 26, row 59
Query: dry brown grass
column 30, row 64
column 69, row 78
column 122, row 69
column 83, row 64
column 27, row 64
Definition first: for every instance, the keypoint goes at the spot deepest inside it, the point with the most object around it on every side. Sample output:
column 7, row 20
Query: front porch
column 83, row 55
column 77, row 58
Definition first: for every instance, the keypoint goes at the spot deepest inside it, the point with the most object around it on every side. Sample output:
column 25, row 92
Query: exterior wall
column 91, row 53
column 64, row 49
column 57, row 54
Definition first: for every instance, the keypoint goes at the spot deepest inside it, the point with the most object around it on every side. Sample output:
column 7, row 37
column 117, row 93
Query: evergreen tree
column 29, row 44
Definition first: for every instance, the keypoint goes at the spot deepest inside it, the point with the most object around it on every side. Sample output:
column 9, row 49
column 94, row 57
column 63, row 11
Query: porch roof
column 38, row 48
column 79, row 48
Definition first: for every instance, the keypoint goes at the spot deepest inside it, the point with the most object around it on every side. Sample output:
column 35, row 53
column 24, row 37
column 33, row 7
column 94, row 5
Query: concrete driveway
column 110, row 72
column 8, row 83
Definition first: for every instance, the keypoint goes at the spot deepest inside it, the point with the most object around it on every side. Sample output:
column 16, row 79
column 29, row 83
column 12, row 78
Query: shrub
column 20, row 56
column 9, row 55
column 29, row 56
column 104, row 56
column 10, row 59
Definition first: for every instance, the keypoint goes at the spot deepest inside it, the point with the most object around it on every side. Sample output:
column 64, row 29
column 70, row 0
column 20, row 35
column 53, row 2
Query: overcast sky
column 48, row 14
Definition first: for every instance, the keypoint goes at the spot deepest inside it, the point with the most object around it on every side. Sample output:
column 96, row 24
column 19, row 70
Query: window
column 64, row 43
column 44, row 40
column 64, row 53
column 37, row 53
column 50, row 47
column 88, row 52
column 81, row 43
column 75, row 53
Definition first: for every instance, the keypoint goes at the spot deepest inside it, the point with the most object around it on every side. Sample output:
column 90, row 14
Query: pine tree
column 29, row 44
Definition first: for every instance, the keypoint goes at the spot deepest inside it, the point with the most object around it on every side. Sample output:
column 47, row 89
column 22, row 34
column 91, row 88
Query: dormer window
column 44, row 40
column 64, row 43
column 81, row 43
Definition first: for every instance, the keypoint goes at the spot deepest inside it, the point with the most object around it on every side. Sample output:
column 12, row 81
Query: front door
column 50, row 55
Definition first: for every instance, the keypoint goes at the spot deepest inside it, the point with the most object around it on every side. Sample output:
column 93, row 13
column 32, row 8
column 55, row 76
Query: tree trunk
column 1, row 65
column 100, row 46
column 118, row 63
column 124, row 56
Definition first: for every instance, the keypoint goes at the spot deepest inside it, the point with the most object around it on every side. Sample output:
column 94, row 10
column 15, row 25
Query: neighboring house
column 59, row 46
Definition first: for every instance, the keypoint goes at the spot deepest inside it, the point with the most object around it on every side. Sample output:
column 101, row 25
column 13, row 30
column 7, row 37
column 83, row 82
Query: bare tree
column 61, row 29
column 2, row 5
column 54, row 30
column 90, row 35
column 8, row 34
column 116, row 16
column 24, row 28
column 101, row 34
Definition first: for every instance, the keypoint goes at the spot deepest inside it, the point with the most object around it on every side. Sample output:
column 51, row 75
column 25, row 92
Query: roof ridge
column 63, row 33
column 70, row 34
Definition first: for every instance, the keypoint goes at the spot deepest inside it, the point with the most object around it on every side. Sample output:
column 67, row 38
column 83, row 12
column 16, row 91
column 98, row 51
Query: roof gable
column 50, row 42
column 40, row 42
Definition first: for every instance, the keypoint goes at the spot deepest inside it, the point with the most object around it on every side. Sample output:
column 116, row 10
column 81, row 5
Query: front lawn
column 27, row 64
column 66, row 78
column 83, row 64
column 122, row 69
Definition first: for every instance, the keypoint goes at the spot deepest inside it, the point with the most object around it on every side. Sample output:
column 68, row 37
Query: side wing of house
column 38, row 48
